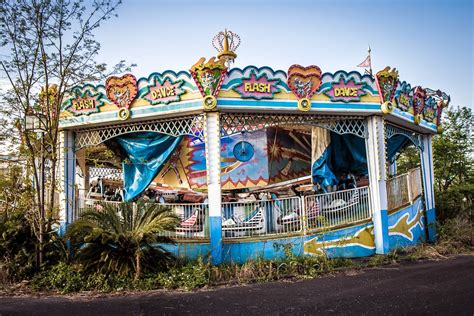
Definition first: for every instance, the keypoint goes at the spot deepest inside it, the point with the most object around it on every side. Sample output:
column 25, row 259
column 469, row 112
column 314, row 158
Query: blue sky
column 429, row 42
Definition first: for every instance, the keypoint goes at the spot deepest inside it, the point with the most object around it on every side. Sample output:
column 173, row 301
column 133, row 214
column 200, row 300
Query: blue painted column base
column 380, row 220
column 215, row 231
column 431, row 225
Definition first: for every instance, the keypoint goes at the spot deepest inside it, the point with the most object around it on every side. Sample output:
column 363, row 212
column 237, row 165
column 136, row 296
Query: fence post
column 410, row 197
column 304, row 217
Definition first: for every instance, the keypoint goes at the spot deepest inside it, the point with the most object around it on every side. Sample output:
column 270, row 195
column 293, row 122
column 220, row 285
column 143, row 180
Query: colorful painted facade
column 239, row 130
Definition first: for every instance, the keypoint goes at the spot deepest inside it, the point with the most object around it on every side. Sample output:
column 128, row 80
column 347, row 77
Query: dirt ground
column 427, row 287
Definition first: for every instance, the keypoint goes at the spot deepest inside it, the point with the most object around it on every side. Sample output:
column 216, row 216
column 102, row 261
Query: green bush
column 61, row 277
column 190, row 276
column 123, row 240
column 17, row 247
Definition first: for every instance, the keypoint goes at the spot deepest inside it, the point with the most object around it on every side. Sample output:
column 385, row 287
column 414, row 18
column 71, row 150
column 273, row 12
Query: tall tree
column 453, row 160
column 453, row 149
column 51, row 49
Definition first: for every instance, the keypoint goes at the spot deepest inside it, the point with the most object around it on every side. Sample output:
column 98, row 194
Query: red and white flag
column 366, row 63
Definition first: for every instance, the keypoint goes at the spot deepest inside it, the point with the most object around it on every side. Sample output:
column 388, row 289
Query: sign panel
column 163, row 92
column 345, row 91
column 257, row 87
column 86, row 102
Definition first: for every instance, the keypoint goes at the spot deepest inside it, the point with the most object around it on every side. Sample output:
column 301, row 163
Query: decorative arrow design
column 362, row 238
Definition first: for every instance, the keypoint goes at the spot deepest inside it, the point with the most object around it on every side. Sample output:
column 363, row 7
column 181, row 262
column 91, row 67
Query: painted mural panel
column 289, row 154
column 243, row 162
column 247, row 160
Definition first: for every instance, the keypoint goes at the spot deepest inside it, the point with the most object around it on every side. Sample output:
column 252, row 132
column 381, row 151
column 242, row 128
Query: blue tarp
column 347, row 154
column 321, row 172
column 146, row 153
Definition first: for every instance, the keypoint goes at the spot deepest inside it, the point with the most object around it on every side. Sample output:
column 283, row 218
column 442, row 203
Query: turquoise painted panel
column 351, row 242
column 265, row 249
column 349, row 252
column 190, row 251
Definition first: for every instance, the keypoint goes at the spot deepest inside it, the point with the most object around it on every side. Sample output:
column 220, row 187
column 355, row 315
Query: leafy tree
column 16, row 246
column 122, row 239
column 453, row 157
column 15, row 190
column 408, row 159
column 51, row 49
column 454, row 150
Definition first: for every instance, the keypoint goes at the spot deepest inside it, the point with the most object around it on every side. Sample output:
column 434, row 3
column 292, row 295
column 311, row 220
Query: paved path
column 443, row 287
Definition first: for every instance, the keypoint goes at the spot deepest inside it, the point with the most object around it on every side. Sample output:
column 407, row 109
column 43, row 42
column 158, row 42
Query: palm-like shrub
column 122, row 239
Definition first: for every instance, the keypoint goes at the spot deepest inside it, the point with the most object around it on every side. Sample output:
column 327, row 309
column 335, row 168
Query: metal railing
column 83, row 205
column 194, row 223
column 295, row 214
column 404, row 189
column 338, row 208
column 257, row 218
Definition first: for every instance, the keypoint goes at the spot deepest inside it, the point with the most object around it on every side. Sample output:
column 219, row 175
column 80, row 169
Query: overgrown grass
column 65, row 278
column 454, row 237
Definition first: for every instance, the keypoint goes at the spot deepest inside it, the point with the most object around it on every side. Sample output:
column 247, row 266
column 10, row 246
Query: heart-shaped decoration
column 304, row 81
column 122, row 90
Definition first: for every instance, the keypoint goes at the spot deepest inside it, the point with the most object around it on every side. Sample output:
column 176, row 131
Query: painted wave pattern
column 185, row 76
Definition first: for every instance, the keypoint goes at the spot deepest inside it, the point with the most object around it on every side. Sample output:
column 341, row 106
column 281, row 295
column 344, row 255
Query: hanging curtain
column 348, row 154
column 146, row 153
column 320, row 156
column 334, row 155
column 395, row 144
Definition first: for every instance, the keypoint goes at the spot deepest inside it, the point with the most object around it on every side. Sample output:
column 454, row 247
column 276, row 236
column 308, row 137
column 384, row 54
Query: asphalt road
column 442, row 287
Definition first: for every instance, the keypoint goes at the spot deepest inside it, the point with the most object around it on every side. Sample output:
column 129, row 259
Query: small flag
column 366, row 63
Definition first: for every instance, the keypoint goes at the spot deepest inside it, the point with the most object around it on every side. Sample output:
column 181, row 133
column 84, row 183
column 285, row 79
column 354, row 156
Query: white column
column 375, row 145
column 213, row 166
column 426, row 156
column 67, row 174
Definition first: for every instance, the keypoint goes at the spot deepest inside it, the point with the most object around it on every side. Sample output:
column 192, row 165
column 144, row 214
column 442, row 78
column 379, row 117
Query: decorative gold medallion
column 304, row 105
column 387, row 107
column 124, row 114
column 209, row 102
